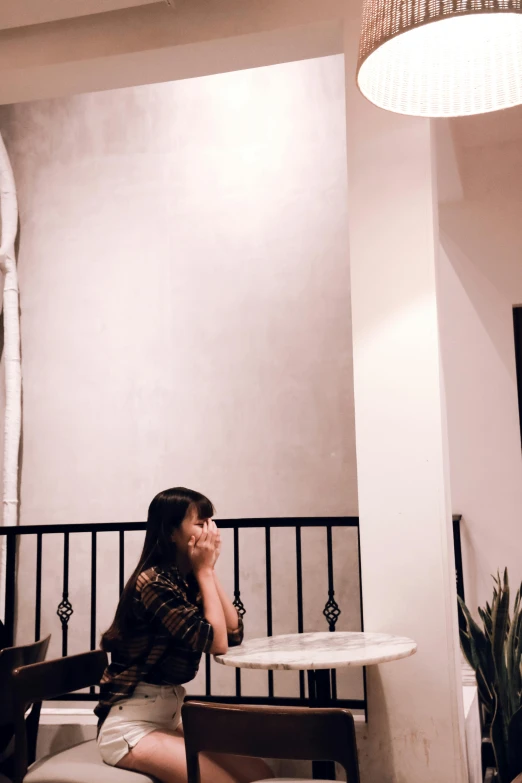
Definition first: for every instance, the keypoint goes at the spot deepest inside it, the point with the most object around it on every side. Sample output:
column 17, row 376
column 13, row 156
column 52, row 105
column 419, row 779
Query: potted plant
column 494, row 651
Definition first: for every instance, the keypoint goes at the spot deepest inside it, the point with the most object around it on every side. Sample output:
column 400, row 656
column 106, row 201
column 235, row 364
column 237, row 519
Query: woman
column 172, row 610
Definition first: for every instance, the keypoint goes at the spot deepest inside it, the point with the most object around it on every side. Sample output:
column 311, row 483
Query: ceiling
column 498, row 130
column 23, row 13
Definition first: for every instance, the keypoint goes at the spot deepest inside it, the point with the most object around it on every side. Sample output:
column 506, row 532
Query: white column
column 415, row 732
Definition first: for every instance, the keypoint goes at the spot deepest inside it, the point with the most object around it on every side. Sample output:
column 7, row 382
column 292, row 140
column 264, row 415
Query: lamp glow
column 441, row 58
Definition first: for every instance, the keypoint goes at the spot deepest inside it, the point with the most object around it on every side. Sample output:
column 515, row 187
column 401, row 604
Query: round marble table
column 318, row 653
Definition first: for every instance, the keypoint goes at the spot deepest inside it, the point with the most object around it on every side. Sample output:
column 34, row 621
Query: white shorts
column 150, row 707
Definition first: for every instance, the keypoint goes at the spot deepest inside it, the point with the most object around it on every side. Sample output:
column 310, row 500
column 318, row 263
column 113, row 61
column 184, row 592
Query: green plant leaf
column 476, row 646
column 495, row 653
column 515, row 744
column 486, row 620
column 513, row 657
column 500, row 623
column 498, row 740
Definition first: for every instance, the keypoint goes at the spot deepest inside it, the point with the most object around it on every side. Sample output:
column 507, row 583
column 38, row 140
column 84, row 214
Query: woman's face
column 191, row 526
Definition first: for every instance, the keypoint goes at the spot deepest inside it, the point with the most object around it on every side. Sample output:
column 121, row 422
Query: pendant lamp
column 441, row 58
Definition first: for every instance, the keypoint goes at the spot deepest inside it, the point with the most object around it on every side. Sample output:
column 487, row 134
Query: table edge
column 373, row 661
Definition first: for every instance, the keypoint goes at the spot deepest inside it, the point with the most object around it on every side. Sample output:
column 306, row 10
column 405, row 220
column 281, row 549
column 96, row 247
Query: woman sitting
column 172, row 610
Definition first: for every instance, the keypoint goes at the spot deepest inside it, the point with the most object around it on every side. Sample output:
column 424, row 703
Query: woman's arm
column 229, row 610
column 213, row 610
column 232, row 618
column 203, row 557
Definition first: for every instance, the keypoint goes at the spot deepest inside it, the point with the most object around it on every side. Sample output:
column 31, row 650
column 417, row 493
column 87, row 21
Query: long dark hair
column 166, row 513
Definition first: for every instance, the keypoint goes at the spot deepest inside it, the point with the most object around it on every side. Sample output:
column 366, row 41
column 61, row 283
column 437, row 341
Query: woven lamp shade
column 441, row 58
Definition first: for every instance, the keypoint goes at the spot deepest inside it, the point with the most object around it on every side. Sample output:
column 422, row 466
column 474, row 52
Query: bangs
column 204, row 507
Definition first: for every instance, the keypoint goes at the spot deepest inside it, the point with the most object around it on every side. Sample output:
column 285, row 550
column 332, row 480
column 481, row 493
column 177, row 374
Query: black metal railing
column 457, row 544
column 65, row 609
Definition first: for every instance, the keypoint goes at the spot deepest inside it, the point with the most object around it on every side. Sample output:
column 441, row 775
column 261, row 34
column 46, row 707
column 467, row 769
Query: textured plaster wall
column 186, row 320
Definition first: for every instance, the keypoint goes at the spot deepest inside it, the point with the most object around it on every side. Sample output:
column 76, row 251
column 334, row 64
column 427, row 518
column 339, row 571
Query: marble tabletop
column 318, row 651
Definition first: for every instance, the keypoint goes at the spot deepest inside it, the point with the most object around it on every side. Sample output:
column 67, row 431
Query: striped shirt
column 169, row 636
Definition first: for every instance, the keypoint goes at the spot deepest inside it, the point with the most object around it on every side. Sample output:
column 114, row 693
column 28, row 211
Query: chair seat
column 81, row 764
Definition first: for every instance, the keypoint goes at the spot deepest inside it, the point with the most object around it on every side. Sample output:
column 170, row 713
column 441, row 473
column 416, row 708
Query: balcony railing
column 64, row 534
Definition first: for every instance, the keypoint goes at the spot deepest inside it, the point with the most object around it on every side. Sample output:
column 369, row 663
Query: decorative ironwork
column 64, row 611
column 237, row 602
column 331, row 611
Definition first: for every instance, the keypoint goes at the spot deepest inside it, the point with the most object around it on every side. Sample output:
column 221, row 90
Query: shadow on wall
column 480, row 281
column 484, row 242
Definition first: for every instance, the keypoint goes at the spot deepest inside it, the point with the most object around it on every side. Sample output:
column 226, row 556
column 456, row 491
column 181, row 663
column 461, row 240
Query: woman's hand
column 202, row 553
column 218, row 539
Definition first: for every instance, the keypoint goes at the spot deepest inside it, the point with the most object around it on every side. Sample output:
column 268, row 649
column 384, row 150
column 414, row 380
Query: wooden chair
column 82, row 763
column 10, row 659
column 269, row 732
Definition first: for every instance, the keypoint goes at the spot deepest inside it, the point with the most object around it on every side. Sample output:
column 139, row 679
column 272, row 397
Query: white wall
column 415, row 730
column 481, row 280
column 186, row 320
column 184, row 296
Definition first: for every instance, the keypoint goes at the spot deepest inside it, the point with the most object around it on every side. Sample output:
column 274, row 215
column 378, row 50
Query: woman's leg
column 244, row 769
column 163, row 755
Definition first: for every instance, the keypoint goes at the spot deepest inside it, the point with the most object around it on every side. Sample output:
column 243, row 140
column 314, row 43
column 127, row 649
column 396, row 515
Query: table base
column 320, row 695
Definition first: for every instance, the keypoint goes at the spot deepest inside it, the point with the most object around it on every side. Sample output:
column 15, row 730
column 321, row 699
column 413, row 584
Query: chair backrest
column 47, row 680
column 4, row 636
column 269, row 732
column 12, row 658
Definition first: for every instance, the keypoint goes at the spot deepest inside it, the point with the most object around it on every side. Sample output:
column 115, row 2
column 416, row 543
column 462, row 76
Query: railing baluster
column 238, row 683
column 93, row 595
column 299, row 574
column 459, row 573
column 10, row 586
column 331, row 610
column 237, row 598
column 365, row 695
column 268, row 557
column 208, row 684
column 122, row 561
column 93, row 588
column 65, row 609
column 38, row 601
